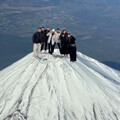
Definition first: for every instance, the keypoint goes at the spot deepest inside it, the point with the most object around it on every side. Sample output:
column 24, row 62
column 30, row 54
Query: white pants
column 36, row 49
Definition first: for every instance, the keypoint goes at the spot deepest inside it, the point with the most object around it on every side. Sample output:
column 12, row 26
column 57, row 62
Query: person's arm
column 61, row 36
column 54, row 38
column 48, row 34
column 73, row 38
column 45, row 32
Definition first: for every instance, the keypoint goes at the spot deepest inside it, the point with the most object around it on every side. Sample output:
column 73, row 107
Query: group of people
column 47, row 39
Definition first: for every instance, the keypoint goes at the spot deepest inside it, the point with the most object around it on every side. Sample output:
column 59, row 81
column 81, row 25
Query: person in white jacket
column 56, row 40
column 50, row 40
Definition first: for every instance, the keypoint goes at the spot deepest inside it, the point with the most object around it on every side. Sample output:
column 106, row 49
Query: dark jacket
column 63, row 39
column 37, row 37
column 46, row 32
column 43, row 36
column 72, row 48
column 71, row 41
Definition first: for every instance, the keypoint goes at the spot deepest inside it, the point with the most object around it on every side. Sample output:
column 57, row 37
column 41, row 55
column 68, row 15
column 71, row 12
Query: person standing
column 37, row 43
column 43, row 38
column 46, row 38
column 72, row 47
column 64, row 43
column 50, row 40
column 56, row 40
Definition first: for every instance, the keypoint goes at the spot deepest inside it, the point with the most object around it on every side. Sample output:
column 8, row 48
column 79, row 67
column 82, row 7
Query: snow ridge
column 56, row 89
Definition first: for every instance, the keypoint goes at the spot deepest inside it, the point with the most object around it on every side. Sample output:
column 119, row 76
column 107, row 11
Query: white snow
column 56, row 89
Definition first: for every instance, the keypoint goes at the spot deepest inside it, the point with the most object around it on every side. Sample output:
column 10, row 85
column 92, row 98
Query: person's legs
column 70, row 51
column 49, row 47
column 34, row 49
column 53, row 47
column 46, row 45
column 42, row 44
column 73, row 54
column 63, row 49
column 59, row 47
column 38, row 49
column 66, row 49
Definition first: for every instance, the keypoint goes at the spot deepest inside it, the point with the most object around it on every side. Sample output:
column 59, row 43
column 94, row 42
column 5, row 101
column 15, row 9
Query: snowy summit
column 53, row 88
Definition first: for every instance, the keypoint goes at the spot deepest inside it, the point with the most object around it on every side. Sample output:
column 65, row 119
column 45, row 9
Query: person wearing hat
column 37, row 40
column 50, row 40
column 72, row 47
column 64, row 43
column 56, row 40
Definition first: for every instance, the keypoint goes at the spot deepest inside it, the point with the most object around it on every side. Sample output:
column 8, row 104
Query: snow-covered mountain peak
column 53, row 88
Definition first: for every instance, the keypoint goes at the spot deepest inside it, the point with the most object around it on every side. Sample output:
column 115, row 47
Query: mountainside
column 56, row 89
column 95, row 24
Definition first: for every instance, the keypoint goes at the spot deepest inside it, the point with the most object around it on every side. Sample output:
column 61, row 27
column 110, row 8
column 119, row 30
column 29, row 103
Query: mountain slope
column 56, row 89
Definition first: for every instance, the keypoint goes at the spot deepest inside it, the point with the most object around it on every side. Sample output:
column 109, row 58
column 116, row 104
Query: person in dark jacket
column 72, row 47
column 46, row 38
column 43, row 38
column 37, row 40
column 64, row 43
